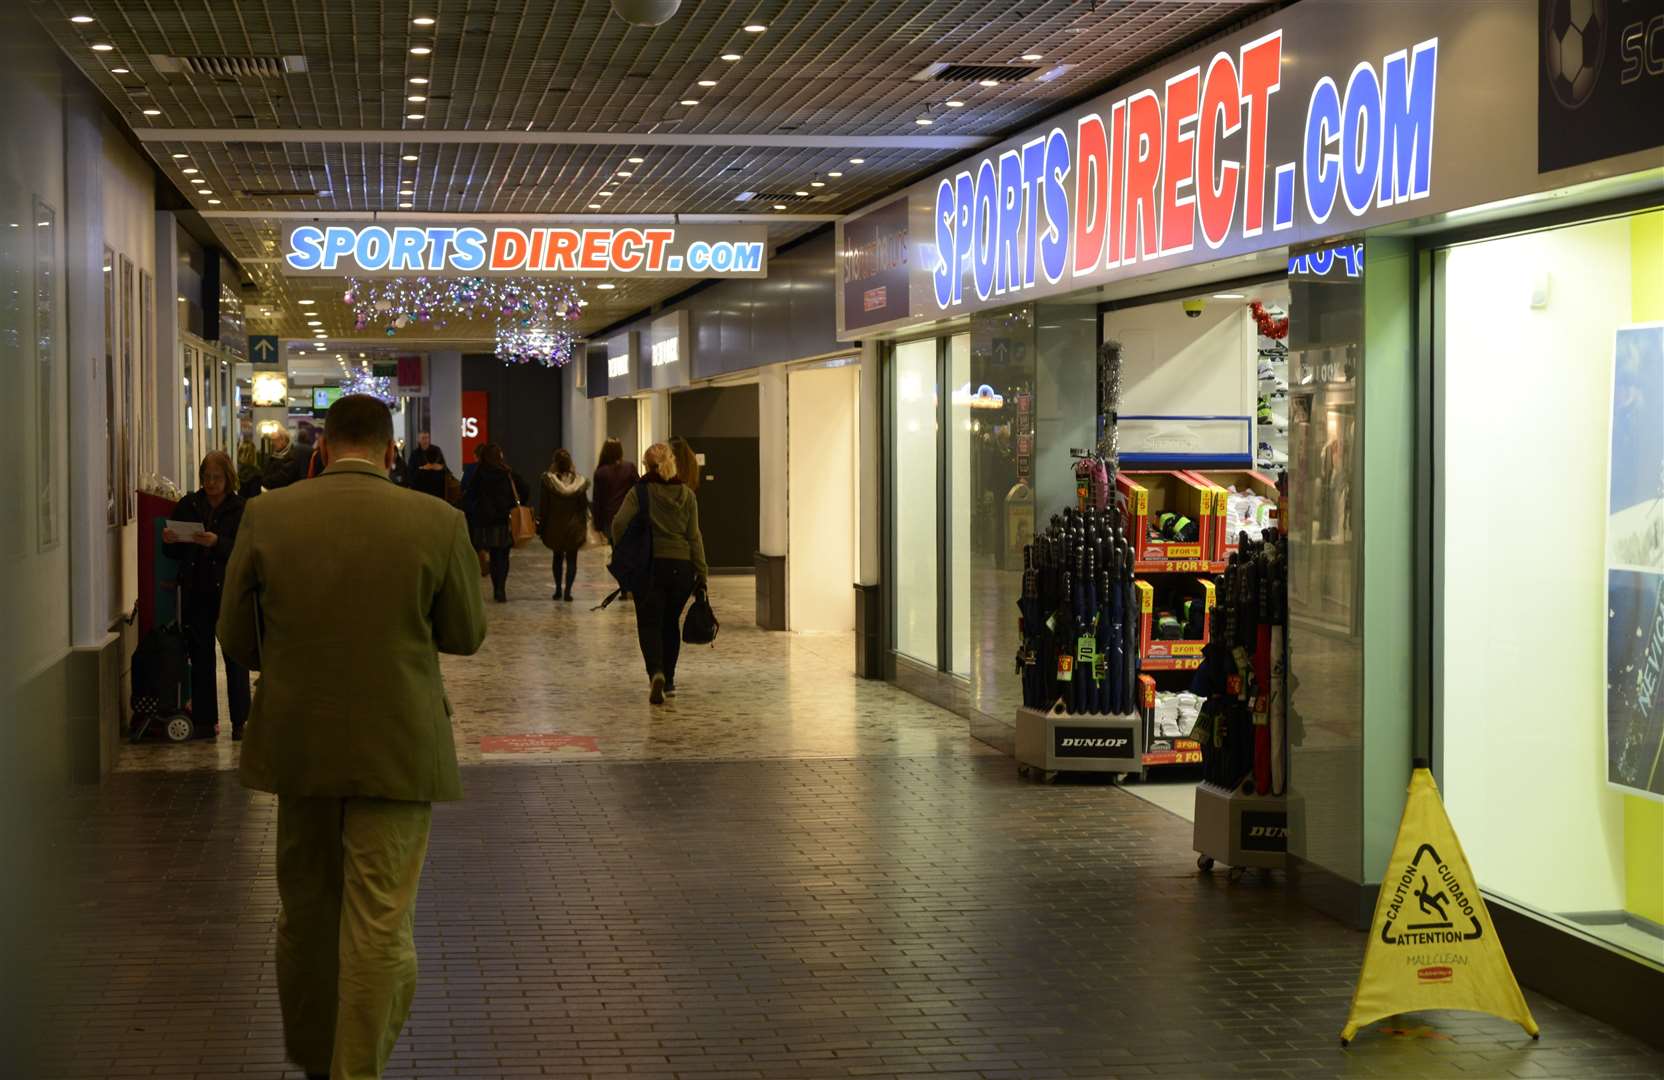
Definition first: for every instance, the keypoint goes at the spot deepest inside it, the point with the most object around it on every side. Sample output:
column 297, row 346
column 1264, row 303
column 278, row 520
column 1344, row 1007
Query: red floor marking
column 535, row 744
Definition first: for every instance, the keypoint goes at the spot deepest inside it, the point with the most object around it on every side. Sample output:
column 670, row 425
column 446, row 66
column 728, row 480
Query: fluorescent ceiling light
column 152, row 112
column 1032, row 56
column 604, row 194
column 636, row 160
column 420, row 50
column 120, row 71
column 418, row 81
column 707, row 82
column 416, row 97
column 989, row 82
column 1230, row 296
column 817, row 183
column 779, row 206
column 625, row 172
column 422, row 20
column 924, row 121
column 411, row 157
column 834, row 175
column 755, row 28
column 407, row 206
column 198, row 180
column 305, row 303
column 415, row 116
column 187, row 172
column 688, row 101
column 801, row 194
column 955, row 104
column 730, row 56
column 101, row 47
column 213, row 202
column 595, row 206
column 80, row 19
column 176, row 157
column 606, row 285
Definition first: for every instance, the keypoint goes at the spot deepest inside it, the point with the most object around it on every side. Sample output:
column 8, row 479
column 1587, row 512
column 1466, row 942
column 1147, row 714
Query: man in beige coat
column 341, row 593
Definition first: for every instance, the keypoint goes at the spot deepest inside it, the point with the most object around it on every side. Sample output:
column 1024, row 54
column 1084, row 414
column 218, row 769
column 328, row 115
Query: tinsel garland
column 523, row 344
column 380, row 387
column 1270, row 326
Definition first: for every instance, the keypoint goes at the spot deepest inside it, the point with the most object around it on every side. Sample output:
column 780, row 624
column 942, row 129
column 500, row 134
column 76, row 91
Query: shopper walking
column 492, row 494
column 678, row 564
column 341, row 593
column 614, row 477
column 428, row 472
column 248, row 469
column 202, row 556
column 687, row 463
column 285, row 464
column 563, row 519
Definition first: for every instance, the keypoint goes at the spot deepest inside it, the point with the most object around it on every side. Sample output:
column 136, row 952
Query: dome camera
column 1193, row 308
column 645, row 12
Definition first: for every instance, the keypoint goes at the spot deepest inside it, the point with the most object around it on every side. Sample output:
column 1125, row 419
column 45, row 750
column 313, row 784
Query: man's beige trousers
column 347, row 872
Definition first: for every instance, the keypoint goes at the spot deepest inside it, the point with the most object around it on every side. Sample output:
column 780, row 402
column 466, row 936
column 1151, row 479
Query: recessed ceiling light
column 101, row 47
column 707, row 82
column 80, row 19
column 418, row 81
column 213, row 202
column 306, row 303
column 120, row 71
column 1230, row 296
column 423, row 20
column 954, row 104
column 595, row 206
column 1031, row 56
column 730, row 56
column 687, row 101
column 419, row 50
column 755, row 28
column 416, row 97
column 606, row 285
column 636, row 160
column 625, row 172
column 603, row 194
column 801, row 194
column 834, row 175
column 314, row 322
column 924, row 121
column 152, row 112
column 817, row 183
column 176, row 157
column 411, row 157
column 407, row 206
column 203, row 191
column 415, row 116
column 779, row 206
column 856, row 160
column 989, row 82
column 325, row 194
column 198, row 180
column 187, row 172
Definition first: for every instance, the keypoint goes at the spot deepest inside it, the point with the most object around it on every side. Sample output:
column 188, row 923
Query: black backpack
column 632, row 555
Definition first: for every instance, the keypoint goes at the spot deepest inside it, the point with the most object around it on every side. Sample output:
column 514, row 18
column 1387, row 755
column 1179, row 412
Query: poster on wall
column 476, row 418
column 1600, row 92
column 1635, row 565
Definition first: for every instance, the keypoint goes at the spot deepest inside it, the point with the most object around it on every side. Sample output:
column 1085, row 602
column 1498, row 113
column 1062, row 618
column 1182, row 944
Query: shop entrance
column 720, row 424
column 822, row 484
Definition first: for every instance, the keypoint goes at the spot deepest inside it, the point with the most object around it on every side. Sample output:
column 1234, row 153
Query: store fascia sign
column 389, row 250
column 666, row 352
column 618, row 365
column 1157, row 175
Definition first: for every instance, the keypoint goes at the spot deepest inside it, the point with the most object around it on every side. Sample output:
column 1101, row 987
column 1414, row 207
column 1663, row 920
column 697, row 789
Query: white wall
column 1525, row 437
column 824, row 491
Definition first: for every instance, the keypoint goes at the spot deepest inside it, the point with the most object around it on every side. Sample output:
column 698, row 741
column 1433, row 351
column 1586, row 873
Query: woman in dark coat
column 491, row 496
column 563, row 518
column 614, row 477
column 218, row 508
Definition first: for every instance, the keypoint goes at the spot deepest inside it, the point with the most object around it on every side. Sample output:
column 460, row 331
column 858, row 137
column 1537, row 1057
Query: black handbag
column 700, row 625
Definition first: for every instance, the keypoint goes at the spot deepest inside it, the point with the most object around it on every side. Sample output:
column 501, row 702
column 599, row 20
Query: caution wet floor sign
column 1432, row 944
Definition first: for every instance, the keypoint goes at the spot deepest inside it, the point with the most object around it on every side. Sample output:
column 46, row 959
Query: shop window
column 1550, row 536
column 962, row 500
column 46, row 374
column 916, row 397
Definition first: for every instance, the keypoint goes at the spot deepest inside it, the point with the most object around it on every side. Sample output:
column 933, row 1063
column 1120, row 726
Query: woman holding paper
column 199, row 536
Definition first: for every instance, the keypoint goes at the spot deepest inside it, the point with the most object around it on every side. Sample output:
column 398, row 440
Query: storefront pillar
column 772, row 495
column 445, row 402
column 869, row 622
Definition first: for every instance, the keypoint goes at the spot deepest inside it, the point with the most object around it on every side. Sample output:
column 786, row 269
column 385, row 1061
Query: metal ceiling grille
column 501, row 68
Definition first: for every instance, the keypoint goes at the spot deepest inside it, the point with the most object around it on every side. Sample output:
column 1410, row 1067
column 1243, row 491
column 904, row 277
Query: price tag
column 1065, row 668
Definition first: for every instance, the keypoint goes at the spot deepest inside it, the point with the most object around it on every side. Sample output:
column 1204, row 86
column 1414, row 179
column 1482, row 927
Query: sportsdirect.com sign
column 372, row 250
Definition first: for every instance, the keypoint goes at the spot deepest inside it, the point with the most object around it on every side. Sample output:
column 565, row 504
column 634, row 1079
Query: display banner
column 368, row 249
column 875, row 267
column 1319, row 121
column 1601, row 88
column 1635, row 565
column 476, row 424
column 1432, row 944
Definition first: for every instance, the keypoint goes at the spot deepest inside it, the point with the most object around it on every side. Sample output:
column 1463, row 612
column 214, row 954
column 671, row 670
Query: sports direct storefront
column 1438, row 223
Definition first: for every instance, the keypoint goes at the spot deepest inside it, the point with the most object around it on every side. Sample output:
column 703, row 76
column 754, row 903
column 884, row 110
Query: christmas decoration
column 549, row 346
column 1273, row 327
column 361, row 381
column 396, row 303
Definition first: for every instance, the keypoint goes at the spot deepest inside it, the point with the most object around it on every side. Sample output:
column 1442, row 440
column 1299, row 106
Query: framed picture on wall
column 145, row 423
column 112, row 321
column 46, row 374
column 129, row 475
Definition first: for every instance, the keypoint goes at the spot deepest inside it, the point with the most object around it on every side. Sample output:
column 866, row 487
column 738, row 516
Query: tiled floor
column 788, row 875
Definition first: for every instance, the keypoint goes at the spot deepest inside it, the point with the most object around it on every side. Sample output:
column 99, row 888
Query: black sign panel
column 1093, row 742
column 1600, row 87
column 1264, row 830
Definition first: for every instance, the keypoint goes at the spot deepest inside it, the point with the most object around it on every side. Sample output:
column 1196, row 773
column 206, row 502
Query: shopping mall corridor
column 787, row 873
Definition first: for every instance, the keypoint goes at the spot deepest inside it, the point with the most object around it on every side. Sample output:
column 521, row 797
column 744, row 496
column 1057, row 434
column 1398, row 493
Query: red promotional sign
column 476, row 417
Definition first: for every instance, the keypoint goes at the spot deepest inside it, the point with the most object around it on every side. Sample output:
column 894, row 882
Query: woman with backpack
column 563, row 518
column 671, row 511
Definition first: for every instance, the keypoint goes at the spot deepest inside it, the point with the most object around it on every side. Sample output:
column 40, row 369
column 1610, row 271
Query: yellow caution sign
column 1432, row 944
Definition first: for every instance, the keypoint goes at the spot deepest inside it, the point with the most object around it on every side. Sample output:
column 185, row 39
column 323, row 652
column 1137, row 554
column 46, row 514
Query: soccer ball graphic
column 1574, row 42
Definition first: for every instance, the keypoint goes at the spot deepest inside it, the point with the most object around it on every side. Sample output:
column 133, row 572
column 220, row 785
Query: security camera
column 1193, row 308
column 645, row 12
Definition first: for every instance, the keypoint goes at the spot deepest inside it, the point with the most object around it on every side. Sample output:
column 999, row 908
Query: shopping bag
column 700, row 625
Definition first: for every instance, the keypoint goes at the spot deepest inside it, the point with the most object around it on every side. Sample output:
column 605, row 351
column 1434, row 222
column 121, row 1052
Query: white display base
column 1240, row 830
column 1062, row 742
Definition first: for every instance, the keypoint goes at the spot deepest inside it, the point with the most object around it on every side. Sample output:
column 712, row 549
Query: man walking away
column 284, row 465
column 350, row 726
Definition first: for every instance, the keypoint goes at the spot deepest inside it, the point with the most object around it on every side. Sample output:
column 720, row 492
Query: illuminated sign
column 618, row 365
column 667, row 351
column 1156, row 175
column 371, row 250
column 476, row 418
column 1347, row 259
column 269, row 388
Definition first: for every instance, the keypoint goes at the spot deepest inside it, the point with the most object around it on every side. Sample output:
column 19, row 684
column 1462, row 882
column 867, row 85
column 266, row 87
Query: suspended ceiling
column 288, row 109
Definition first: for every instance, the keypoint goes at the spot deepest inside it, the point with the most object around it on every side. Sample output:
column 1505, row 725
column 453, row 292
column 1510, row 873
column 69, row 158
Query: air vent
column 971, row 73
column 784, row 197
column 279, row 193
column 239, row 68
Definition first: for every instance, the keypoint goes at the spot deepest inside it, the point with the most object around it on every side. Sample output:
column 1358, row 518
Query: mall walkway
column 788, row 874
